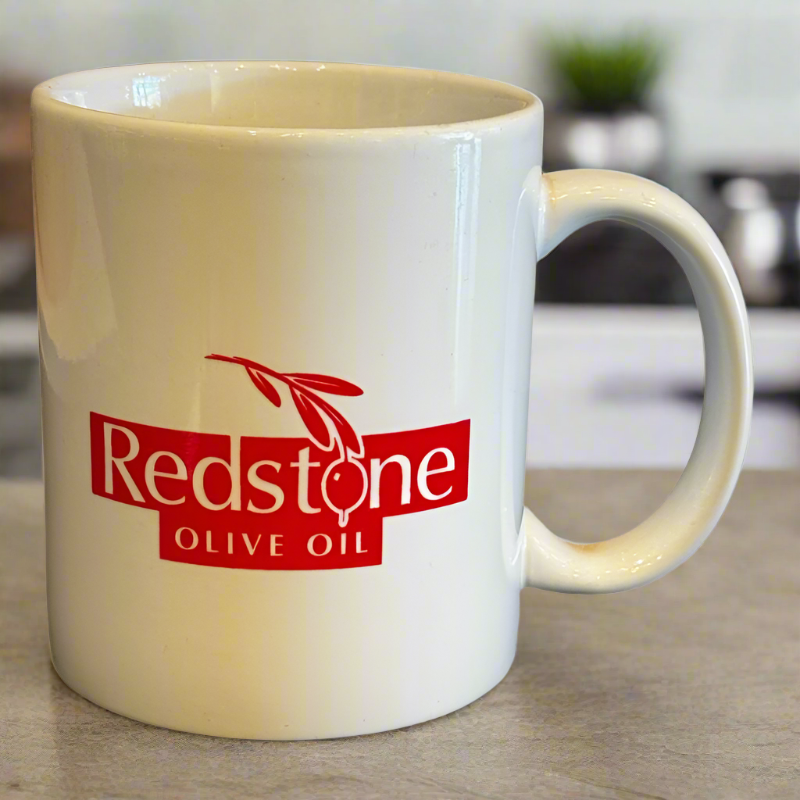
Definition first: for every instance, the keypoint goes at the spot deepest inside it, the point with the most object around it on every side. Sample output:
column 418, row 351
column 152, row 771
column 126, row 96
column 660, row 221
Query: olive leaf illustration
column 319, row 416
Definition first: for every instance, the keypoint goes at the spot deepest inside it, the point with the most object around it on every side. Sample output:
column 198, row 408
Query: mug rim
column 45, row 95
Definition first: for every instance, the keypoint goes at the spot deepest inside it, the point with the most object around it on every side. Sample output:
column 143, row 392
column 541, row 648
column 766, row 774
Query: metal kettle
column 760, row 230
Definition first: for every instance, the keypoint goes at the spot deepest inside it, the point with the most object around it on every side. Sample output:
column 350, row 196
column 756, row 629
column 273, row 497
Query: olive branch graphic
column 326, row 427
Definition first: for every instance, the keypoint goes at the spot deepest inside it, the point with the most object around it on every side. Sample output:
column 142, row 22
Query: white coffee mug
column 285, row 317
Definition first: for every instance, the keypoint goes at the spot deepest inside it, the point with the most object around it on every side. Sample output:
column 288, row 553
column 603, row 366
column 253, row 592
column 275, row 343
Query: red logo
column 279, row 503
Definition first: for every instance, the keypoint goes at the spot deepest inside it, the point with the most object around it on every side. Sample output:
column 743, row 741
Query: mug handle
column 567, row 201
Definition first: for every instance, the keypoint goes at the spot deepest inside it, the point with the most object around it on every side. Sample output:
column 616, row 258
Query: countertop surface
column 688, row 688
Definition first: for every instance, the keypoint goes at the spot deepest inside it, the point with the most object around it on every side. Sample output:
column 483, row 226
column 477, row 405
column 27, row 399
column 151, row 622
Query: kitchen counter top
column 689, row 688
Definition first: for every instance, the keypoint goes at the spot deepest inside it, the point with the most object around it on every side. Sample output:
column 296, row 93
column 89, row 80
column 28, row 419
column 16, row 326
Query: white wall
column 732, row 90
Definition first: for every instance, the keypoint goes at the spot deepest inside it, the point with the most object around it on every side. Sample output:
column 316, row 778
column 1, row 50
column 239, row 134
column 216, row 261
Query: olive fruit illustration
column 344, row 486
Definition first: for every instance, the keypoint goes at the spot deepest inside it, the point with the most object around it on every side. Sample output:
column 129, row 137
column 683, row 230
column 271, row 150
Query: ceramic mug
column 285, row 317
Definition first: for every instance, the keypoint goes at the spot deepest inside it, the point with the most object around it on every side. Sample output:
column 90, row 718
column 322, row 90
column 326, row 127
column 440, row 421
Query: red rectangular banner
column 276, row 503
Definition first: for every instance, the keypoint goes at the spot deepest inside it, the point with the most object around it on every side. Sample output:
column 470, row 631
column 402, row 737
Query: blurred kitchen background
column 703, row 95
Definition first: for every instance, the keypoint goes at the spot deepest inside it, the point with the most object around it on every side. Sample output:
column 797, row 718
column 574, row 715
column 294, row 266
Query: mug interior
column 289, row 95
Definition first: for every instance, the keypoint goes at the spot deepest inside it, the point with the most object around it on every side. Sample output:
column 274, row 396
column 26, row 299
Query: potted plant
column 605, row 119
